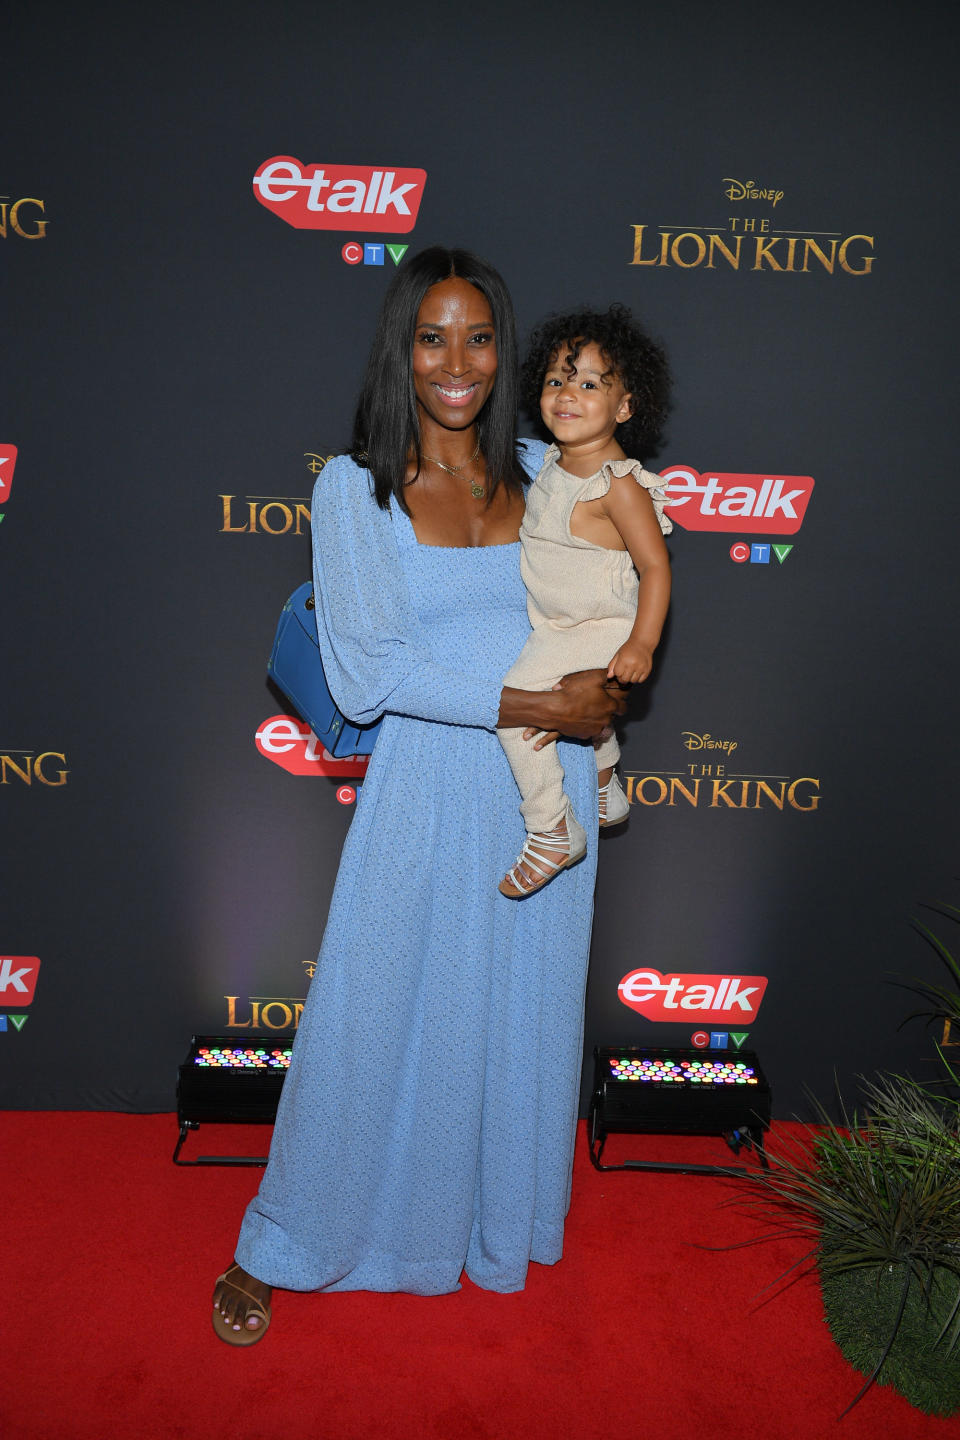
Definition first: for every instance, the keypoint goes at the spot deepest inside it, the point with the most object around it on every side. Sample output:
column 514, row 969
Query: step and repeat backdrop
column 198, row 220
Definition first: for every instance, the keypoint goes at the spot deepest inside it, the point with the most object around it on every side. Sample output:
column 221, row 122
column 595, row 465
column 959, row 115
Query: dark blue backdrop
column 170, row 341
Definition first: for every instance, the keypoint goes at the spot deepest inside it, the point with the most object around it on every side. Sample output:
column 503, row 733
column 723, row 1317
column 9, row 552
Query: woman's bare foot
column 241, row 1306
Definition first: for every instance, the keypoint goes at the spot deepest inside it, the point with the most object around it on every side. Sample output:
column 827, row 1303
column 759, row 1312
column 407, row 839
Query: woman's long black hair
column 386, row 427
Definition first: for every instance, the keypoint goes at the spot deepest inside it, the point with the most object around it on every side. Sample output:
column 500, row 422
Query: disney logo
column 315, row 462
column 749, row 190
column 707, row 742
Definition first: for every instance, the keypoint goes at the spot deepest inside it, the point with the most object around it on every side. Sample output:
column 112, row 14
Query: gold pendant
column 477, row 491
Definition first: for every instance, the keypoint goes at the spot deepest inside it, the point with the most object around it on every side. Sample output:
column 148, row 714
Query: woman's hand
column 543, row 737
column 589, row 702
column 580, row 705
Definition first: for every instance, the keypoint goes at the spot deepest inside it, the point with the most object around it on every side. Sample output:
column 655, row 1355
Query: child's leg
column 539, row 776
column 607, row 754
column 614, row 805
column 554, row 838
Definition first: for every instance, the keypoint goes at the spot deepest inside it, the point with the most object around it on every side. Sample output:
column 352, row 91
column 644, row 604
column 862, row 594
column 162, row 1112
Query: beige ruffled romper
column 582, row 602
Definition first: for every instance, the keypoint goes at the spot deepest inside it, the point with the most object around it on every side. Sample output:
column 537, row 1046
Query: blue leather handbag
column 296, row 667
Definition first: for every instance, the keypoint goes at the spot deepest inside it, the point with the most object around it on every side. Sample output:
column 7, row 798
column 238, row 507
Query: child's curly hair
column 634, row 358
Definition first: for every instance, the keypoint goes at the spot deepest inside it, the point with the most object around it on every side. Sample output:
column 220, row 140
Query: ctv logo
column 716, row 998
column 757, row 553
column 291, row 744
column 340, row 197
column 372, row 253
column 719, row 1039
column 18, row 981
column 8, row 461
column 752, row 504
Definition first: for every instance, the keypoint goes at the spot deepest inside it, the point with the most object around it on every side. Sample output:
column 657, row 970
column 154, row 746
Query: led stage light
column 223, row 1081
column 675, row 1091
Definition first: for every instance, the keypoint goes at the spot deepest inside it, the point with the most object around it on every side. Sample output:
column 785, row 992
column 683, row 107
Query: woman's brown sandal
column 243, row 1336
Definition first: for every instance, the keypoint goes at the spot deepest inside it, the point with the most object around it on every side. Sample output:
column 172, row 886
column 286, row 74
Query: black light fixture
column 676, row 1091
column 221, row 1081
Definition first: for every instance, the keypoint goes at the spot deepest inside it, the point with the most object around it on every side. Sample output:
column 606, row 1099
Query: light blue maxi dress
column 427, row 1122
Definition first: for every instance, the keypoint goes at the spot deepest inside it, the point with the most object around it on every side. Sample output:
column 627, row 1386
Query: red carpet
column 111, row 1251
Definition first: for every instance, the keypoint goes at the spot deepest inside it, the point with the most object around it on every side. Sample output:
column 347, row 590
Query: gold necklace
column 476, row 490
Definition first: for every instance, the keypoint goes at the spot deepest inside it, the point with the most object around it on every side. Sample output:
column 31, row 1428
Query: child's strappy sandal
column 614, row 805
column 517, row 884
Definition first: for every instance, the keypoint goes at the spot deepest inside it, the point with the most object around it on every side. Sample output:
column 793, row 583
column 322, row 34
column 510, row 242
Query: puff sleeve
column 375, row 654
column 599, row 484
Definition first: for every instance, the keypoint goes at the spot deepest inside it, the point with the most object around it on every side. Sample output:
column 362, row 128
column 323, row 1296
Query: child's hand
column 631, row 664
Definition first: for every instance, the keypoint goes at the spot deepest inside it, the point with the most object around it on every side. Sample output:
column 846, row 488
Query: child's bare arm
column 631, row 510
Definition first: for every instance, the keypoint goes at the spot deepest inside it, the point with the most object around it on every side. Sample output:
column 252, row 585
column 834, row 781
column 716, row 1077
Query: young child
column 594, row 563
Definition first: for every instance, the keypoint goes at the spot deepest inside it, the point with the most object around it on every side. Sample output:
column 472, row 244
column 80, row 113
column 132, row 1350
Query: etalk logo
column 340, row 197
column 18, row 979
column 8, row 460
column 728, row 998
column 749, row 504
column 291, row 744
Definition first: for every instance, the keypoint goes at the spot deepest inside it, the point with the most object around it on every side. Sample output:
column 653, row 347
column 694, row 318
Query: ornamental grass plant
column 877, row 1198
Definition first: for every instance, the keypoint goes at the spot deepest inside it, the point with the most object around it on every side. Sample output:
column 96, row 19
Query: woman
column 427, row 1122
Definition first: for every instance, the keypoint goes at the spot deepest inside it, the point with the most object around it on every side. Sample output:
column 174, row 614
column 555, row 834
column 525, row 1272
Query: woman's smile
column 455, row 395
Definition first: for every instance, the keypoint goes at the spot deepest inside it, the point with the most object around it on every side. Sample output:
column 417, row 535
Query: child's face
column 581, row 404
